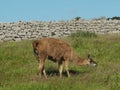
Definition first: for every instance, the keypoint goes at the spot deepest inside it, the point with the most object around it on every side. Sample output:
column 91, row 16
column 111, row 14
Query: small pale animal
column 58, row 51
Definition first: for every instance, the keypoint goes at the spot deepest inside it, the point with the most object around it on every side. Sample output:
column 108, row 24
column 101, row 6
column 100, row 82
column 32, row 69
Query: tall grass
column 83, row 34
column 18, row 65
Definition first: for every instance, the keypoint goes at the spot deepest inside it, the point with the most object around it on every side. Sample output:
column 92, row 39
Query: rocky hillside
column 16, row 31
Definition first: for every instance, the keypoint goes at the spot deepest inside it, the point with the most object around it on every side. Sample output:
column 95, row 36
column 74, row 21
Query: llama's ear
column 89, row 56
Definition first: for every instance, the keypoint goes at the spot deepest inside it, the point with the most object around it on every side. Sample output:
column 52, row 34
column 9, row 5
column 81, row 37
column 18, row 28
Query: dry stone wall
column 17, row 31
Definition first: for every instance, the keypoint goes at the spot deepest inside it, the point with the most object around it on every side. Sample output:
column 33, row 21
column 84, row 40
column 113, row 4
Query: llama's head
column 90, row 61
column 86, row 61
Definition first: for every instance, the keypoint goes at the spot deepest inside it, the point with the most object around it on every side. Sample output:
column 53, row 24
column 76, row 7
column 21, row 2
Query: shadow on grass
column 51, row 73
column 54, row 73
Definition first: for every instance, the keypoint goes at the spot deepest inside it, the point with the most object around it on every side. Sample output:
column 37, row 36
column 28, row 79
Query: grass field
column 18, row 66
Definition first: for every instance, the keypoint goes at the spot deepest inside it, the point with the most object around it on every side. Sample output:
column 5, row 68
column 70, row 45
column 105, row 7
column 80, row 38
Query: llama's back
column 54, row 47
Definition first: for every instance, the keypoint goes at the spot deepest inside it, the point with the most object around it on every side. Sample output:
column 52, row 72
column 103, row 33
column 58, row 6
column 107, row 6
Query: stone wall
column 16, row 31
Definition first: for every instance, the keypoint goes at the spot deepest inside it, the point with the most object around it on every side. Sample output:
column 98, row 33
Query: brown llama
column 58, row 51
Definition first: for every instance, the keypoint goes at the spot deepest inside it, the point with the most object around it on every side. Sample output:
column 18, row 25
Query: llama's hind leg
column 44, row 72
column 41, row 69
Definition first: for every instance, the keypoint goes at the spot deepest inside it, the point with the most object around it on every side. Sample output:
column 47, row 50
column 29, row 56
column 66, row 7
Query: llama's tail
column 35, row 44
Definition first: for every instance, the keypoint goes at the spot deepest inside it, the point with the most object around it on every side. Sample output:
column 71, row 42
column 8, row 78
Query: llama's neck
column 78, row 60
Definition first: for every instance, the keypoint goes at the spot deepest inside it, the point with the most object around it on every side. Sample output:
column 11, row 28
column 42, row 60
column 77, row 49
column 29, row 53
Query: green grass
column 18, row 66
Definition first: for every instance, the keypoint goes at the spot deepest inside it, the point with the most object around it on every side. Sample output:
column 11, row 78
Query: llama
column 58, row 51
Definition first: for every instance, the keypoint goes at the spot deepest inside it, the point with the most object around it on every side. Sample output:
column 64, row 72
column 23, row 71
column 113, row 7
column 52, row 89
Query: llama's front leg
column 60, row 68
column 66, row 67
